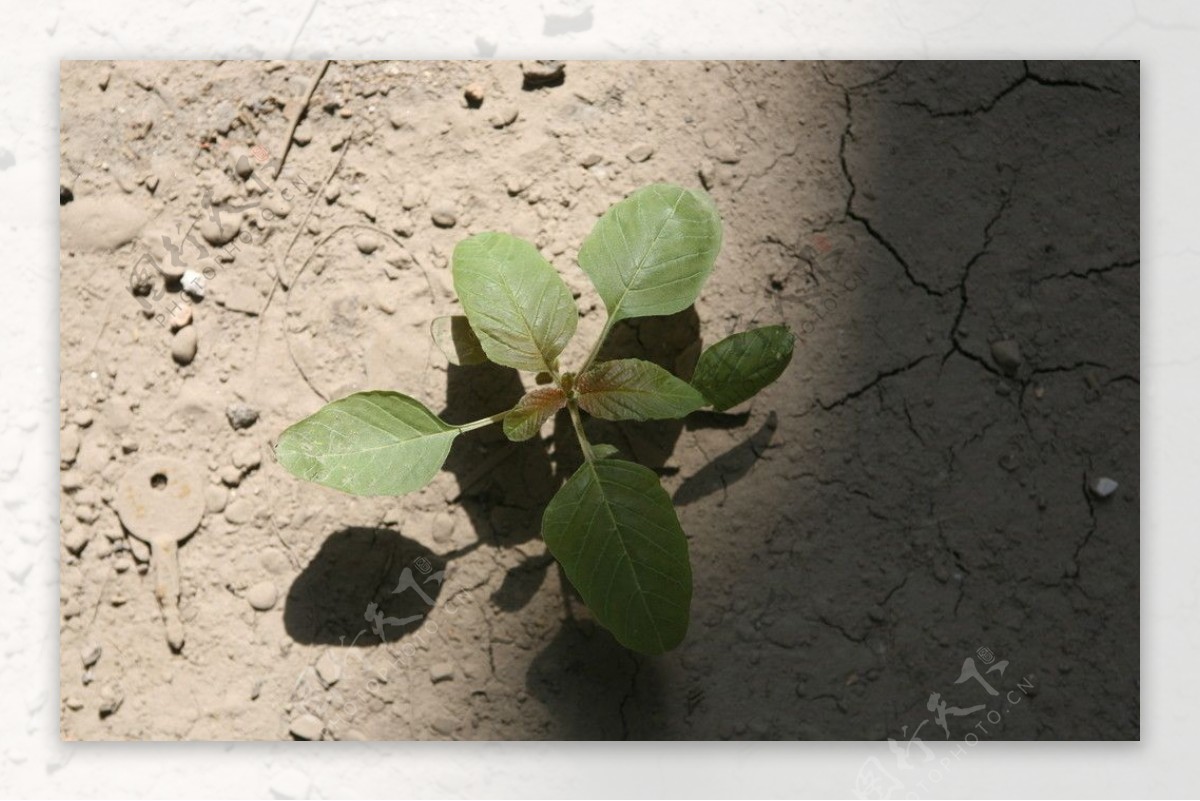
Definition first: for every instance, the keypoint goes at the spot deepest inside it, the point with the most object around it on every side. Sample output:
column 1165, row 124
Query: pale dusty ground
column 908, row 493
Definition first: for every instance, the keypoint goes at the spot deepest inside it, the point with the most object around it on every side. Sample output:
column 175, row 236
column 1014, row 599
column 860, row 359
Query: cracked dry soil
column 954, row 244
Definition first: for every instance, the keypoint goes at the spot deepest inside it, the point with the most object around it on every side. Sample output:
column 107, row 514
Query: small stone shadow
column 364, row 587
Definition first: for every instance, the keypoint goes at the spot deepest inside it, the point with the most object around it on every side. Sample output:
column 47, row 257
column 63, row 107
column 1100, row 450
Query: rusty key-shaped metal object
column 161, row 502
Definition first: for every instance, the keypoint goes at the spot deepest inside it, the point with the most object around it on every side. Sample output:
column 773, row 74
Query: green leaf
column 615, row 532
column 526, row 418
column 604, row 451
column 518, row 306
column 651, row 253
column 632, row 389
column 456, row 340
column 738, row 367
column 369, row 443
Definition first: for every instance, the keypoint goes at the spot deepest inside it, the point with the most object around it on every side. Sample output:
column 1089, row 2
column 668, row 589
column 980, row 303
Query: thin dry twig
column 278, row 279
column 297, row 113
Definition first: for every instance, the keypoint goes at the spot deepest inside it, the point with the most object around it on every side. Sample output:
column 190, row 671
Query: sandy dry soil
column 955, row 245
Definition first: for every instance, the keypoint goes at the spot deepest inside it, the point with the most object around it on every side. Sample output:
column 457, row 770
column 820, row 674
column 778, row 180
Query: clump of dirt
column 947, row 472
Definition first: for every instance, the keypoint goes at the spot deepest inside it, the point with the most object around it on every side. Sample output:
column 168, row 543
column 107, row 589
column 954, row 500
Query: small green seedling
column 612, row 526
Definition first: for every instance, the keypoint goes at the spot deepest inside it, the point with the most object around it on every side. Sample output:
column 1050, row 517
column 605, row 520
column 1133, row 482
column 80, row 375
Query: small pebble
column 111, row 699
column 240, row 415
column 1007, row 355
column 445, row 726
column 542, row 73
column 366, row 243
column 329, row 670
column 441, row 671
column 443, row 215
column 504, row 117
column 443, row 528
column 72, row 703
column 474, row 95
column 230, row 475
column 68, row 445
column 639, row 153
column 86, row 513
column 1103, row 487
column 193, row 284
column 516, row 184
column 404, row 227
column 365, row 203
column 215, row 498
column 590, row 160
column 262, row 596
column 400, row 259
column 90, row 654
column 303, row 134
column 243, row 164
column 181, row 316
column 307, row 727
column 221, row 234
column 411, row 196
column 76, row 539
column 184, row 344
column 247, row 456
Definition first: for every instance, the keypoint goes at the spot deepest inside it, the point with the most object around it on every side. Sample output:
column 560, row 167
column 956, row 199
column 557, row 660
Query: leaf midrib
column 502, row 279
column 614, row 314
column 641, row 592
